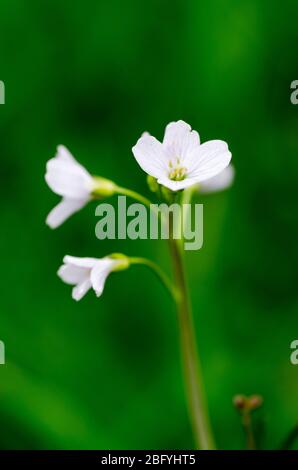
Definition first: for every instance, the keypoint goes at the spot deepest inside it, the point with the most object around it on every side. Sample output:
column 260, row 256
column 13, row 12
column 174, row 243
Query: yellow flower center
column 177, row 171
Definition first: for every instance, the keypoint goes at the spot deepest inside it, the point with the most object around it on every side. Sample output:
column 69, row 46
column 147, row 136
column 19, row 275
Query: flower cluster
column 179, row 162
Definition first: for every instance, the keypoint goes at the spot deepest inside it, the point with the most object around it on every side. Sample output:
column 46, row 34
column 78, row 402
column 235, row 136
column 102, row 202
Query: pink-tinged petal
column 208, row 160
column 219, row 182
column 81, row 289
column 151, row 156
column 64, row 210
column 100, row 273
column 180, row 140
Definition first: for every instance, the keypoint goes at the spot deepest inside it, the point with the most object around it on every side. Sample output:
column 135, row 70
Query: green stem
column 158, row 272
column 186, row 204
column 248, row 429
column 142, row 199
column 187, row 195
column 191, row 365
column 134, row 195
column 192, row 369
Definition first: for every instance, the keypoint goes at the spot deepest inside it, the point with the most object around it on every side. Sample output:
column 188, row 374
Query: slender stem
column 158, row 272
column 185, row 202
column 187, row 194
column 134, row 195
column 186, row 198
column 248, row 429
column 143, row 200
column 192, row 369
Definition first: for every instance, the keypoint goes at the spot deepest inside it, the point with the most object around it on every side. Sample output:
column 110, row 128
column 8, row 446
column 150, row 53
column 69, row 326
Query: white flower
column 180, row 160
column 219, row 182
column 66, row 177
column 85, row 273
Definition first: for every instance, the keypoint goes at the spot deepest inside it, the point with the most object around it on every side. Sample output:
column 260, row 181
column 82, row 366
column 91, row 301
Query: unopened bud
column 247, row 404
column 239, row 401
column 152, row 183
column 255, row 401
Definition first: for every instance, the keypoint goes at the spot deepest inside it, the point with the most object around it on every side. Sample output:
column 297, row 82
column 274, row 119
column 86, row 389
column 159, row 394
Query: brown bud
column 239, row 401
column 255, row 401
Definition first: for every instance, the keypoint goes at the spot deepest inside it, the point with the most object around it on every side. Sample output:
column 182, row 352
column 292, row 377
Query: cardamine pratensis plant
column 176, row 168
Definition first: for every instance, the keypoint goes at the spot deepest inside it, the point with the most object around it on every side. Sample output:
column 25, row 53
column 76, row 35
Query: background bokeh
column 93, row 75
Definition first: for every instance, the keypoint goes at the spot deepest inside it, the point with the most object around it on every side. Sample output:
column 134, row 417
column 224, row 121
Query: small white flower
column 87, row 273
column 180, row 160
column 219, row 182
column 66, row 177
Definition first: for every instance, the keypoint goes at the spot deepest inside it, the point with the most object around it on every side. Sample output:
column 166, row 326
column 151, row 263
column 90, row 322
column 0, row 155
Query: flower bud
column 255, row 401
column 239, row 402
column 247, row 404
column 152, row 184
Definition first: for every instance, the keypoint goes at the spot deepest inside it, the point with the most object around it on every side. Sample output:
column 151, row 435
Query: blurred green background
column 93, row 75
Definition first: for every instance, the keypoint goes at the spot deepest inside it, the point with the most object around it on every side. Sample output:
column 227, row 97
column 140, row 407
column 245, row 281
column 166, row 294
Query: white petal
column 87, row 263
column 179, row 139
column 219, row 182
column 207, row 160
column 81, row 289
column 100, row 273
column 176, row 185
column 151, row 156
column 64, row 154
column 73, row 275
column 68, row 178
column 63, row 210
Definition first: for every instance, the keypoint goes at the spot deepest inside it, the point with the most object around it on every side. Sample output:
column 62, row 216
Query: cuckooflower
column 180, row 160
column 67, row 178
column 219, row 182
column 87, row 273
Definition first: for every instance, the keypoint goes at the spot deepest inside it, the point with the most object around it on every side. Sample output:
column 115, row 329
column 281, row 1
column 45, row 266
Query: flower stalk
column 197, row 404
column 134, row 195
column 246, row 406
column 159, row 273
